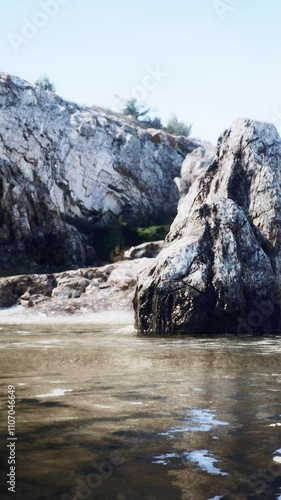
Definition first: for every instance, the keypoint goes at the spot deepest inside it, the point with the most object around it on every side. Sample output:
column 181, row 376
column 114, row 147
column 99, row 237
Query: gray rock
column 124, row 276
column 71, row 286
column 220, row 269
column 23, row 287
column 149, row 250
column 67, row 169
column 7, row 298
column 195, row 165
column 102, row 289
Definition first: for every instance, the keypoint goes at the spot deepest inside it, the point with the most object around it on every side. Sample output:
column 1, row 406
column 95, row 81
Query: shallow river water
column 104, row 414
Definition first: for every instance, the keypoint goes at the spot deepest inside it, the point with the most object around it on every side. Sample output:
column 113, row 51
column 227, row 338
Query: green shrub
column 111, row 242
column 115, row 242
column 133, row 108
column 45, row 83
column 153, row 123
column 152, row 233
column 176, row 127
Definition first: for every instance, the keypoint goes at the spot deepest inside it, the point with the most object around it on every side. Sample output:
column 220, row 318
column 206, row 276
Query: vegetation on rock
column 45, row 83
column 177, row 127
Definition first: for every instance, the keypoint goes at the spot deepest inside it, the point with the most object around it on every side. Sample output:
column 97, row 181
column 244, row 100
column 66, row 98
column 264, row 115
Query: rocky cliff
column 220, row 269
column 67, row 169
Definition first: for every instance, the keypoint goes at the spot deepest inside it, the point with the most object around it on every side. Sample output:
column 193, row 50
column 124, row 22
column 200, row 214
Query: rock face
column 194, row 165
column 66, row 169
column 220, row 269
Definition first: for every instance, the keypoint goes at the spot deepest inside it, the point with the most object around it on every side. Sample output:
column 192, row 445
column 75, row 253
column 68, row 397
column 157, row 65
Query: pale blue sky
column 216, row 69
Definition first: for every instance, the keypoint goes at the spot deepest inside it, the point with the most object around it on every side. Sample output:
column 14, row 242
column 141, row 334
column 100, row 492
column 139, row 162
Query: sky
column 208, row 61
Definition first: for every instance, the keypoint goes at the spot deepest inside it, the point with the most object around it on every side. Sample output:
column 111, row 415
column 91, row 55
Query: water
column 104, row 414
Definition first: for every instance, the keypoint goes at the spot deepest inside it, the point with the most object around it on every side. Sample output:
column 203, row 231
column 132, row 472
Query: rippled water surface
column 104, row 414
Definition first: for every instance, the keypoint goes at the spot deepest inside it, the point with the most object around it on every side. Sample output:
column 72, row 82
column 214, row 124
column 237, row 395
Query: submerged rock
column 220, row 269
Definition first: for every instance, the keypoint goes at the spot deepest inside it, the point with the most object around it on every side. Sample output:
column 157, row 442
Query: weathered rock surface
column 65, row 169
column 220, row 269
column 194, row 165
column 78, row 292
column 149, row 250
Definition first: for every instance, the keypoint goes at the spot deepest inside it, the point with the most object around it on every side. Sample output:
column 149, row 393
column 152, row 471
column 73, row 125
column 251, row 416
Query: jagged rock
column 220, row 269
column 150, row 250
column 7, row 298
column 23, row 287
column 70, row 287
column 66, row 169
column 194, row 165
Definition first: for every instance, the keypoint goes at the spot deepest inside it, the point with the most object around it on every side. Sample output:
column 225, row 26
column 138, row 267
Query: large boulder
column 220, row 269
column 66, row 170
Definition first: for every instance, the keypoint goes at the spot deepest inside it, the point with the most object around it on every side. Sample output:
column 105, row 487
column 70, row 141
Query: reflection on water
column 55, row 393
column 203, row 458
column 104, row 414
column 199, row 421
column 206, row 461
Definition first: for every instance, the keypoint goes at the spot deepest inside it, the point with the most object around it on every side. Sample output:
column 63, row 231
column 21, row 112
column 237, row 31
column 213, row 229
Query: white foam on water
column 55, row 393
column 19, row 315
column 126, row 330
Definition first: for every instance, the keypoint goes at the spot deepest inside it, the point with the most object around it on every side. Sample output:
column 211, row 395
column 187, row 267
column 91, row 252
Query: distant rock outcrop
column 150, row 250
column 66, row 169
column 220, row 269
column 194, row 165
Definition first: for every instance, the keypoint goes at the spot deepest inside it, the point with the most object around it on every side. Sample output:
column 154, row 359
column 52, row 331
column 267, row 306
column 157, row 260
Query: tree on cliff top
column 133, row 108
column 45, row 83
